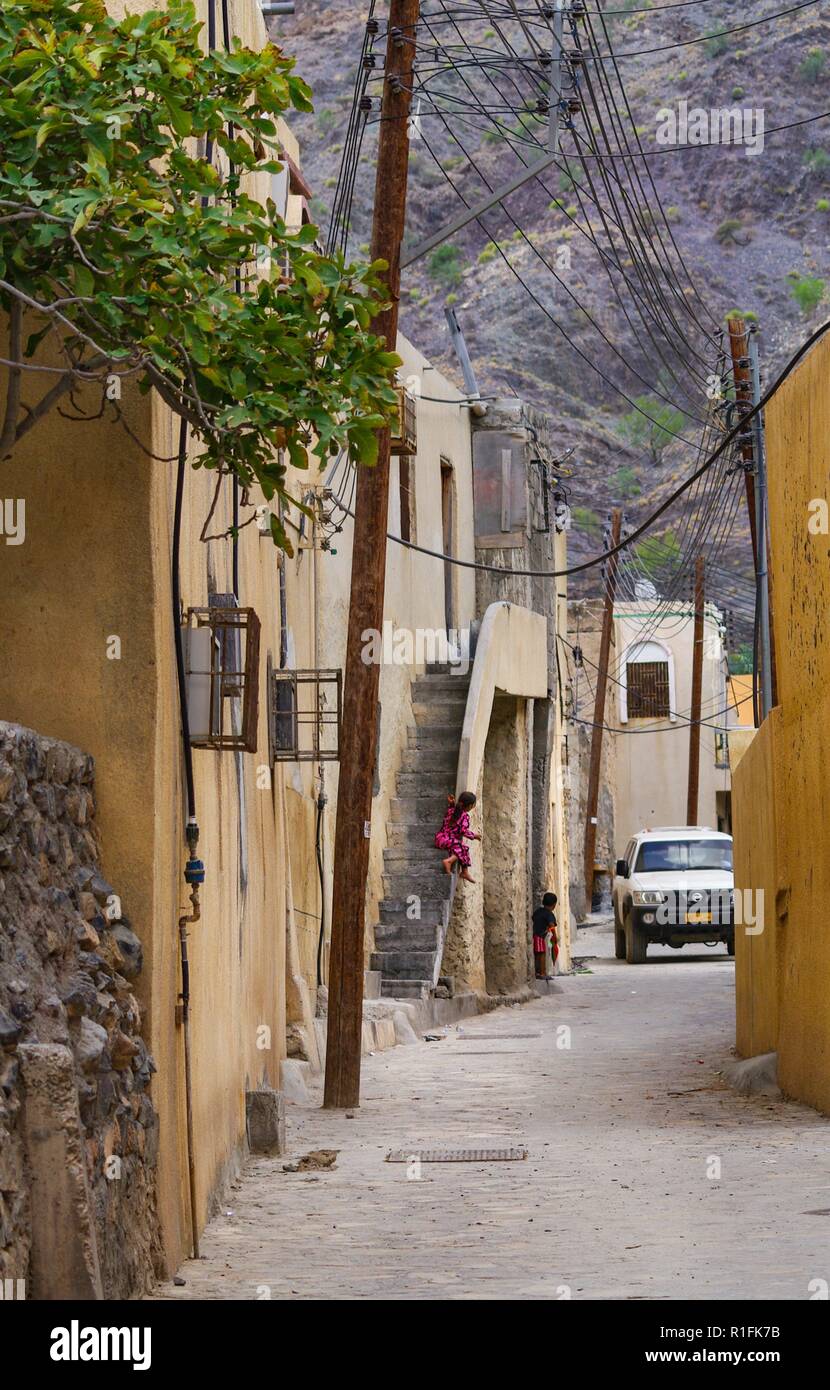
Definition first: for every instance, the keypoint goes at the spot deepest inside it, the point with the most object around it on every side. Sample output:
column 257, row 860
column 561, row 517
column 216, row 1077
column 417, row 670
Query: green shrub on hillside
column 808, row 292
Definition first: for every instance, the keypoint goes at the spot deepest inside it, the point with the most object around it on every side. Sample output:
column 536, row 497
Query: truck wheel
column 635, row 944
column 730, row 943
column 619, row 937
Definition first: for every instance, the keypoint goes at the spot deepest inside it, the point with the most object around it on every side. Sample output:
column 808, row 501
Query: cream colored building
column 90, row 617
column 653, row 674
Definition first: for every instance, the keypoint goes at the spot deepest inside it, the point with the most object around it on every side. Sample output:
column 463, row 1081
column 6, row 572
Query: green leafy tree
column 740, row 660
column 811, row 69
column 808, row 292
column 716, row 43
column 586, row 520
column 132, row 247
column 627, row 483
column 659, row 555
column 446, row 265
column 816, row 160
column 651, row 425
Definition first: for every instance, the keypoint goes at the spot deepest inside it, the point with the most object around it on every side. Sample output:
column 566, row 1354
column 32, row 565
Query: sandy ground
column 646, row 1176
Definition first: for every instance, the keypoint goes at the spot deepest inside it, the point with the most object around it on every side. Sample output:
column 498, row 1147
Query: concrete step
column 418, row 857
column 406, row 989
column 407, row 936
column 404, row 965
column 430, row 688
column 393, row 910
column 444, row 710
column 401, row 883
column 417, row 835
column 433, row 736
column 435, row 760
column 418, row 810
column 435, row 783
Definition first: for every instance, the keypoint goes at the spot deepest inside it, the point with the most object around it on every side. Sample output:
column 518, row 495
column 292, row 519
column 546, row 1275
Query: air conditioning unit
column 221, row 655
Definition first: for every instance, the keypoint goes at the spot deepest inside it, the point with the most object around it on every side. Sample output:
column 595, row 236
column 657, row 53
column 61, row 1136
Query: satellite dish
column 645, row 589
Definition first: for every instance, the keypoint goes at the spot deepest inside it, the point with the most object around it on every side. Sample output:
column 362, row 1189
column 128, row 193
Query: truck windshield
column 660, row 855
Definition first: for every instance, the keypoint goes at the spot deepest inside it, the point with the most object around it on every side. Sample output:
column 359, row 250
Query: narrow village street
column 614, row 1200
column 414, row 546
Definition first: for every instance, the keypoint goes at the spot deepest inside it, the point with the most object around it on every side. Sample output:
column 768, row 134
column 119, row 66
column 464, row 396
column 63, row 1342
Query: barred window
column 648, row 690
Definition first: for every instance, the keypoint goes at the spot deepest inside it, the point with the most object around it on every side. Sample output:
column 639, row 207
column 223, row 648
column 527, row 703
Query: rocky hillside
column 752, row 228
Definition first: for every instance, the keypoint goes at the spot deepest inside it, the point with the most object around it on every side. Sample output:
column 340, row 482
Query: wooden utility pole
column 746, row 375
column 697, row 692
column 742, row 377
column 599, row 711
column 357, row 753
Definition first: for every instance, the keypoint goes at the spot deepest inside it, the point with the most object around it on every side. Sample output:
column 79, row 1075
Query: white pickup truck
column 673, row 886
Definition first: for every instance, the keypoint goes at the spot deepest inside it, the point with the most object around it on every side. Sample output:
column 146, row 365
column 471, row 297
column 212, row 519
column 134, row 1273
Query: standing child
column 453, row 833
column 544, row 922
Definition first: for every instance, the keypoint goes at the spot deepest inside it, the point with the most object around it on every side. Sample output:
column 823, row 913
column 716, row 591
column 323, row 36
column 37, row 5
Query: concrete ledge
column 64, row 1258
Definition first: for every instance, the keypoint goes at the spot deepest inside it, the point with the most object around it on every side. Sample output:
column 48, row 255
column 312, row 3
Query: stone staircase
column 409, row 949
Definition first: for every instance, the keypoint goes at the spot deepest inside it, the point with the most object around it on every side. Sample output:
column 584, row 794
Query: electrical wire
column 649, row 522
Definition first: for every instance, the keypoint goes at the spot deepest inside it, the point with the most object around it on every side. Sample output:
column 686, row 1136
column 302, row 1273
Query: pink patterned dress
column 453, row 833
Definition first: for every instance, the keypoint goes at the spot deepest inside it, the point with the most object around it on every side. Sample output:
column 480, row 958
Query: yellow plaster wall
column 756, row 867
column 798, row 426
column 96, row 565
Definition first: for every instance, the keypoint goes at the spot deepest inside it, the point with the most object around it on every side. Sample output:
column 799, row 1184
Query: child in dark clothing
column 453, row 833
column 544, row 922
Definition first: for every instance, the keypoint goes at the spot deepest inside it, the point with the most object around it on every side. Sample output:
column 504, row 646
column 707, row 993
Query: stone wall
column 67, row 1009
column 507, row 942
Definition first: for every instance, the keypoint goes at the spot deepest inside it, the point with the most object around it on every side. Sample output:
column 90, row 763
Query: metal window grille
column 221, row 647
column 305, row 715
column 405, row 429
column 648, row 690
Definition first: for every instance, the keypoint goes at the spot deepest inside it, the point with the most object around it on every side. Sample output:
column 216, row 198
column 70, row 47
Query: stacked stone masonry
column 68, row 959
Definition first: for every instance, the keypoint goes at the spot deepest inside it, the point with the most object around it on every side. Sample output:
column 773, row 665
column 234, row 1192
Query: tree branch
column 9, row 431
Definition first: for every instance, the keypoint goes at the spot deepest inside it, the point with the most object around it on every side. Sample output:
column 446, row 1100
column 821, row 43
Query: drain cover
column 474, row 1037
column 511, row 1154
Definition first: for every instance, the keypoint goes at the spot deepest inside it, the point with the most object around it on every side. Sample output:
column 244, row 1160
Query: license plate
column 698, row 917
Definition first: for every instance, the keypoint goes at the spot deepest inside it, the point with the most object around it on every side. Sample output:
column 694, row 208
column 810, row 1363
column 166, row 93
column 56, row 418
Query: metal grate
column 222, row 677
column 405, row 429
column 647, row 685
column 513, row 1153
column 305, row 715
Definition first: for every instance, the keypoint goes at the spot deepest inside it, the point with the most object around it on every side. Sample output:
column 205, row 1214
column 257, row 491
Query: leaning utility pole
column 739, row 349
column 697, row 692
column 764, row 583
column 746, row 373
column 599, row 711
column 357, row 754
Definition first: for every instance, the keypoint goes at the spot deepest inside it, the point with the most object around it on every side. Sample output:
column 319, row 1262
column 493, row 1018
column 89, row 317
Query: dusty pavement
column 619, row 1197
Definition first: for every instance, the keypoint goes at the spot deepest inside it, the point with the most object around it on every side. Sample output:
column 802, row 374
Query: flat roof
column 679, row 831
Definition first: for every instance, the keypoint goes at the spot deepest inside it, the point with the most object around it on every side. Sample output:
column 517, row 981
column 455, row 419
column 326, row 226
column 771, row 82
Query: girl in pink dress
column 453, row 833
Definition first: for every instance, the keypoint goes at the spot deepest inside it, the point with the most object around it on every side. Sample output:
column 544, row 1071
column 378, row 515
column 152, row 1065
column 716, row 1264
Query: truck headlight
column 648, row 898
